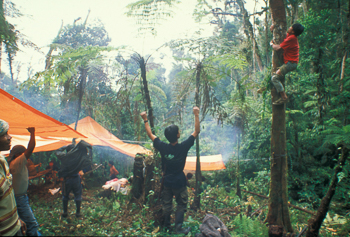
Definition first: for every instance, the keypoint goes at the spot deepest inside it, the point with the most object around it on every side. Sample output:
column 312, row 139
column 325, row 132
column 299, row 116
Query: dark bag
column 213, row 226
column 74, row 158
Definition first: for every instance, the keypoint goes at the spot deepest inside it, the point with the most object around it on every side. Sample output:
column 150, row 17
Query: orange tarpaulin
column 213, row 162
column 95, row 134
column 42, row 143
column 99, row 136
column 19, row 115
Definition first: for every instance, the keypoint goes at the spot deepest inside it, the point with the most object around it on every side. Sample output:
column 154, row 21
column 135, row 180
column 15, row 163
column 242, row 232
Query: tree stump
column 149, row 180
column 138, row 180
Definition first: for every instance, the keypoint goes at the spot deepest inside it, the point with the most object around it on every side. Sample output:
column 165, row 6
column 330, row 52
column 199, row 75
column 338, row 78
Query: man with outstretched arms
column 173, row 162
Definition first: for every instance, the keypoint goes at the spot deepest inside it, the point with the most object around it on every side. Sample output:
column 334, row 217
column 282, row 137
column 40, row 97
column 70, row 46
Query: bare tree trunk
column 250, row 34
column 266, row 35
column 315, row 222
column 320, row 87
column 9, row 57
column 147, row 96
column 345, row 46
column 295, row 7
column 83, row 75
column 305, row 7
column 238, row 187
column 278, row 214
column 48, row 58
column 197, row 200
column 342, row 74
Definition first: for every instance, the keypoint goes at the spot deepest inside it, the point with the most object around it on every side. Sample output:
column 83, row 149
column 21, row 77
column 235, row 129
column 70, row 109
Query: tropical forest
column 261, row 104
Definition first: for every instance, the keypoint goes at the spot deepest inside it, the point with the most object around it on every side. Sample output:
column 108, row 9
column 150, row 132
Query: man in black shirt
column 173, row 162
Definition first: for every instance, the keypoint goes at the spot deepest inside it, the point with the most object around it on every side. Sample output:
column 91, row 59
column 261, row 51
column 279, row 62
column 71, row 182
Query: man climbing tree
column 278, row 214
column 290, row 46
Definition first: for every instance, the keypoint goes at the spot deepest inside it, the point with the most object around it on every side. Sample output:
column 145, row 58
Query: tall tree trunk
column 266, row 35
column 196, row 201
column 248, row 30
column 147, row 96
column 295, row 11
column 10, row 59
column 315, row 222
column 305, row 6
column 342, row 72
column 346, row 30
column 238, row 187
column 83, row 75
column 321, row 93
column 278, row 214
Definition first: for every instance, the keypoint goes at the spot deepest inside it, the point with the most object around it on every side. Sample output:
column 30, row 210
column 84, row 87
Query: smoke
column 217, row 139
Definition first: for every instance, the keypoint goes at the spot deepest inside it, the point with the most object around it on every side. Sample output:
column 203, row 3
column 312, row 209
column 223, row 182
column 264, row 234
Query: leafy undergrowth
column 117, row 216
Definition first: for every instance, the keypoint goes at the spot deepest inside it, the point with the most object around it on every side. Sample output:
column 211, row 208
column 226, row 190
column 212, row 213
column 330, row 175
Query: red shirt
column 290, row 45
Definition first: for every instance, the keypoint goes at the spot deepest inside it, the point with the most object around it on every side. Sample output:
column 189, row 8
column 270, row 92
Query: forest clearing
column 202, row 118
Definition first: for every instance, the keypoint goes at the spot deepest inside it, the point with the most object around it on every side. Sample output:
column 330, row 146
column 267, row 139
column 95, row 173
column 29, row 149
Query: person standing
column 18, row 168
column 74, row 158
column 173, row 162
column 10, row 224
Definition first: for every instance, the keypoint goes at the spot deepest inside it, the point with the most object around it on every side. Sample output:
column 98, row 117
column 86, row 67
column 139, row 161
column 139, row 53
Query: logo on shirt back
column 169, row 156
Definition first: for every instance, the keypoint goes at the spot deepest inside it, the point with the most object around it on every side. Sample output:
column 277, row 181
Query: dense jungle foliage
column 235, row 120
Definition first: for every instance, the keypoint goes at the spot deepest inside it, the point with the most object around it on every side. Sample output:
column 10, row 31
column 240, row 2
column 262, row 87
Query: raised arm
column 197, row 127
column 147, row 127
column 31, row 143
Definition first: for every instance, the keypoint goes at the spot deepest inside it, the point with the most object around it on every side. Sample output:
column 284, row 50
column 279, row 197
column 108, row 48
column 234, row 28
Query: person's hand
column 272, row 27
column 81, row 173
column 144, row 115
column 271, row 43
column 23, row 227
column 31, row 130
column 195, row 110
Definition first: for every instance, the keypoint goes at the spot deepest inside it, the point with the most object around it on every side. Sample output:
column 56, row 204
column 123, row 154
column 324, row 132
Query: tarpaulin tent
column 42, row 143
column 99, row 136
column 19, row 115
column 94, row 133
column 213, row 162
